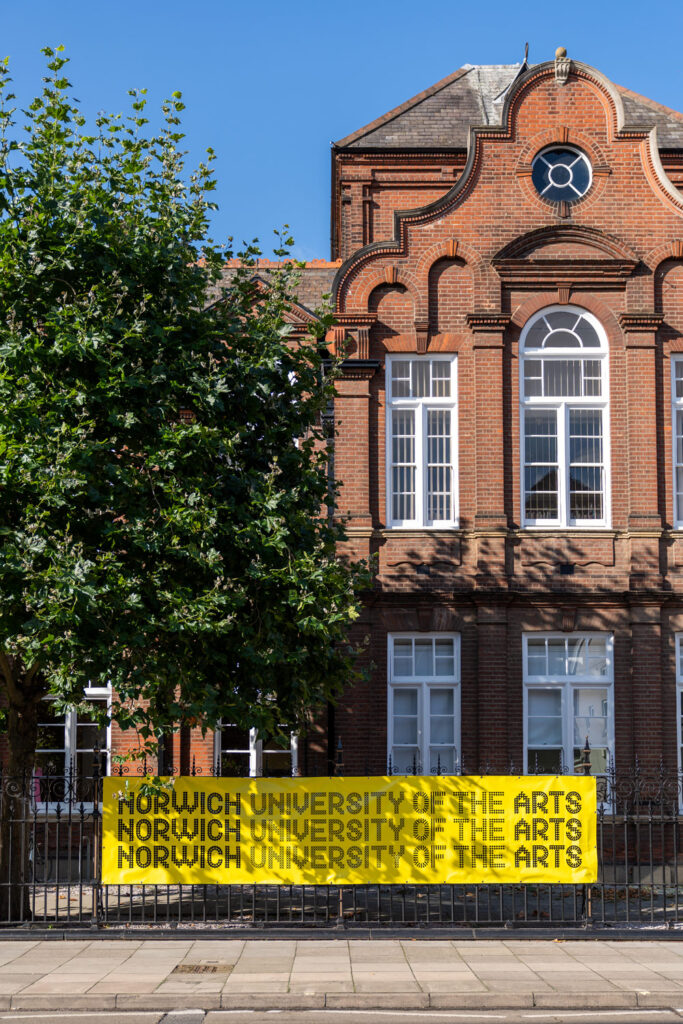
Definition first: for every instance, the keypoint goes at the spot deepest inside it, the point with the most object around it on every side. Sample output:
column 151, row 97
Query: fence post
column 339, row 770
column 97, row 826
column 588, row 889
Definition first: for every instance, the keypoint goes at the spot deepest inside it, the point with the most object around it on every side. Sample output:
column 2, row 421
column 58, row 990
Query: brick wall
column 464, row 279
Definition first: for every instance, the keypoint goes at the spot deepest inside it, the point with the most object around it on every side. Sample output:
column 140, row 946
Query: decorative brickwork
column 462, row 272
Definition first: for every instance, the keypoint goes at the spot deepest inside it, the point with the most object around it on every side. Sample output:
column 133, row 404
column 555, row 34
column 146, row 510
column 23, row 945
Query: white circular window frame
column 572, row 149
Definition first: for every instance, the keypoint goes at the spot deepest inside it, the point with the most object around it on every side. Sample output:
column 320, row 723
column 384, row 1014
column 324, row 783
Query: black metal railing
column 53, row 828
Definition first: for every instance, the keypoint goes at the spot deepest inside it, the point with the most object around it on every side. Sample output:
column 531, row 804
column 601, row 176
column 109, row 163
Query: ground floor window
column 66, row 748
column 242, row 753
column 568, row 702
column 67, row 739
column 424, row 704
column 679, row 697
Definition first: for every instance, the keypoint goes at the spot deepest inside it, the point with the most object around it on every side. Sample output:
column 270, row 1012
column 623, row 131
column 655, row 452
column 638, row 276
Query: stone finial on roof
column 562, row 65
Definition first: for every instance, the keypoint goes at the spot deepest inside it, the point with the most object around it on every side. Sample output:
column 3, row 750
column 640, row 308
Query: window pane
column 587, row 333
column 277, row 763
column 405, row 730
column 403, row 471
column 442, row 761
column 576, row 659
column 536, row 334
column 561, row 339
column 438, row 464
column 544, row 726
column 405, row 761
column 403, row 657
column 545, row 702
column 90, row 735
column 51, row 727
column 50, row 763
column 679, row 451
column 405, row 702
column 441, row 702
column 678, row 375
column 445, row 664
column 441, row 378
column 442, row 730
column 590, row 717
column 421, row 378
column 234, row 765
column 598, row 762
column 400, row 378
column 679, row 494
column 545, row 732
column 540, row 437
column 536, row 659
column 597, row 656
column 544, row 762
column 540, row 474
column 424, row 658
column 585, row 468
column 592, row 371
column 533, row 380
column 563, row 320
column 557, row 651
column 562, row 377
column 234, row 738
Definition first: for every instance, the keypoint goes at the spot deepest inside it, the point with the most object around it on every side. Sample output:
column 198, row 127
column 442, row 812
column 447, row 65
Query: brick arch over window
column 395, row 309
column 604, row 244
column 359, row 297
column 451, row 295
column 669, row 298
column 607, row 317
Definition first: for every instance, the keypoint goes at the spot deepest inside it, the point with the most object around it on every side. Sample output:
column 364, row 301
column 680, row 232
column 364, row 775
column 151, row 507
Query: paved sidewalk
column 346, row 973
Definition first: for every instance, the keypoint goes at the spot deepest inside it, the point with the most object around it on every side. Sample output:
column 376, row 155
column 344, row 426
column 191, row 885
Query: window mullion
column 425, row 730
column 563, row 463
column 70, row 734
column 420, row 459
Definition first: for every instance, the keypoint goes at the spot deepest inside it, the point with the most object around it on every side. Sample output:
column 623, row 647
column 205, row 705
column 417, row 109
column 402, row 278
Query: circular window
column 561, row 174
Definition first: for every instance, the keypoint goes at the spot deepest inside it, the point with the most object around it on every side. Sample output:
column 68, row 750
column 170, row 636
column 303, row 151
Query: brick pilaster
column 646, row 669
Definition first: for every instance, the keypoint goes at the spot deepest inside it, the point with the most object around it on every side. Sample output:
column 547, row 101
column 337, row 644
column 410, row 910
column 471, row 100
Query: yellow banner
column 400, row 829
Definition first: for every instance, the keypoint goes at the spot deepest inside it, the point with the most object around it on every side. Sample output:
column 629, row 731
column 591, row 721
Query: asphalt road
column 348, row 1017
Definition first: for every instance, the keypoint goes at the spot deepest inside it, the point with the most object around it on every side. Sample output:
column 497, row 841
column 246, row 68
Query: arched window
column 564, row 413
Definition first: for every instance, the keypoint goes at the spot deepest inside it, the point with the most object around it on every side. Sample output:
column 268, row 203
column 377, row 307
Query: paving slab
column 236, row 986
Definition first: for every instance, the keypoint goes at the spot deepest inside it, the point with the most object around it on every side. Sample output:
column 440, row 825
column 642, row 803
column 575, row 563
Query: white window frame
column 676, row 408
column 424, row 685
column 567, row 684
column 562, row 407
column 679, row 703
column 71, row 749
column 421, row 406
column 256, row 752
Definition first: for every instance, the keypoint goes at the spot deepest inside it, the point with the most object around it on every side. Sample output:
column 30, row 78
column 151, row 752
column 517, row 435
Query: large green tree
column 163, row 522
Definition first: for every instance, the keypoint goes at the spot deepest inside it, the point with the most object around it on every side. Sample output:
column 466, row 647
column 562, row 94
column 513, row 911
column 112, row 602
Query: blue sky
column 268, row 85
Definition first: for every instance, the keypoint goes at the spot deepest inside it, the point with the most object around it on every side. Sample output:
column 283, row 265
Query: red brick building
column 507, row 272
column 510, row 422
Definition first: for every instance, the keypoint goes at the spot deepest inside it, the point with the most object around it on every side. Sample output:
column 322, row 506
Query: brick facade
column 477, row 254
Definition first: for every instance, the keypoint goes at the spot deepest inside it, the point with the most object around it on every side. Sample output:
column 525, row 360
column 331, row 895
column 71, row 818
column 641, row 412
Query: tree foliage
column 164, row 481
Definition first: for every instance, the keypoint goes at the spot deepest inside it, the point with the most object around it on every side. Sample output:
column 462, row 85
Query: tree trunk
column 15, row 804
